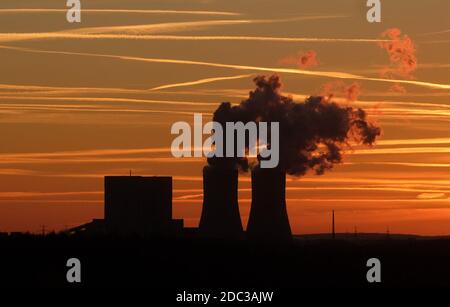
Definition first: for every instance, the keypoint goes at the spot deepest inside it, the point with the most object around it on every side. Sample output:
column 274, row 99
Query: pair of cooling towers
column 268, row 217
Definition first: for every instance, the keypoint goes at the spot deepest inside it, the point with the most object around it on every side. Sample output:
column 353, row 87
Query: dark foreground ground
column 310, row 261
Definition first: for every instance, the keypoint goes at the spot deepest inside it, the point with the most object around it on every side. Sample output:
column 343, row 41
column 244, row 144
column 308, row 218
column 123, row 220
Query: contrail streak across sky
column 328, row 74
column 180, row 12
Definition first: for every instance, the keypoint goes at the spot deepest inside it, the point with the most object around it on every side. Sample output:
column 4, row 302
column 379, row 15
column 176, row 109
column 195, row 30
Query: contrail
column 336, row 188
column 10, row 37
column 433, row 65
column 201, row 81
column 411, row 164
column 396, row 200
column 401, row 183
column 181, row 12
column 84, row 153
column 345, row 200
column 29, row 92
column 414, row 112
column 392, row 112
column 261, row 38
column 436, row 32
column 405, row 150
column 48, row 157
column 39, row 89
column 89, row 108
column 328, row 74
column 415, row 141
column 306, row 188
column 137, row 32
column 40, row 194
column 183, row 25
column 100, row 160
column 381, row 102
column 159, row 27
column 110, row 99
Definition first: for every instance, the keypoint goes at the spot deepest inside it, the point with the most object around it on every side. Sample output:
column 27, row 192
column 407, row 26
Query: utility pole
column 333, row 233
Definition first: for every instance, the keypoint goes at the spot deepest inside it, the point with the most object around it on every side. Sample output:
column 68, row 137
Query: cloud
column 402, row 54
column 334, row 89
column 301, row 59
column 397, row 88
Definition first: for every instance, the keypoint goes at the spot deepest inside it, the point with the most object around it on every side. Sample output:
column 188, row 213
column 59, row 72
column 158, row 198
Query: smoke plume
column 313, row 133
column 402, row 54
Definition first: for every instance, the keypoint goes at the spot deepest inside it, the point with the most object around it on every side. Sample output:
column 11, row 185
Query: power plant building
column 139, row 205
column 136, row 205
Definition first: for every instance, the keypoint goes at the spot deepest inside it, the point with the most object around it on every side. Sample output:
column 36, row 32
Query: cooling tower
column 220, row 214
column 268, row 215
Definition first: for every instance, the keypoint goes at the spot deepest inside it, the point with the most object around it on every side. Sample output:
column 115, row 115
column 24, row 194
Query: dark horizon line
column 318, row 234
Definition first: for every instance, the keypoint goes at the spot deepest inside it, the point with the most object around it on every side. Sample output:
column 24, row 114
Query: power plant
column 135, row 205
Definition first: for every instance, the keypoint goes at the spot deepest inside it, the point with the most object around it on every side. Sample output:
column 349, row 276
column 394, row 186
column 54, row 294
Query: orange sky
column 80, row 101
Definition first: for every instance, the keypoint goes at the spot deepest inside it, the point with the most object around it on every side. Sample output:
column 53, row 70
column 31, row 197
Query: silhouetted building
column 268, row 215
column 96, row 227
column 139, row 205
column 220, row 214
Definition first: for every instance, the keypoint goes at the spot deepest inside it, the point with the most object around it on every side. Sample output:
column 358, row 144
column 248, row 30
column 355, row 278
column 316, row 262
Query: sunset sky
column 83, row 100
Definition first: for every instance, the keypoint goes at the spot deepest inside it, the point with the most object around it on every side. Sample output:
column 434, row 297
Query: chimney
column 220, row 214
column 268, row 215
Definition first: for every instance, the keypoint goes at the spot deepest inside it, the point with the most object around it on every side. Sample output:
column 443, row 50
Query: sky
column 79, row 101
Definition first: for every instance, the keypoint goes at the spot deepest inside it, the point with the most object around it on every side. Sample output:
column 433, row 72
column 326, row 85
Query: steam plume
column 313, row 133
